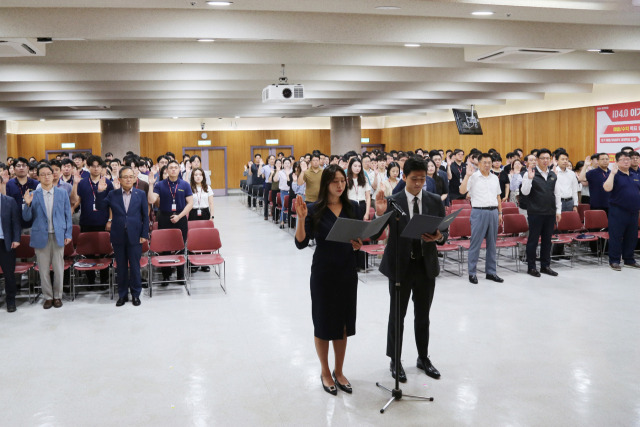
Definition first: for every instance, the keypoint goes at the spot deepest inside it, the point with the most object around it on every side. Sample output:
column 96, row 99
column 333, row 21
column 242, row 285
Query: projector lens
column 286, row 93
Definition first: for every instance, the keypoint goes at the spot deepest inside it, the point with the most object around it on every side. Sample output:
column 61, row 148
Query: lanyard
column 137, row 182
column 92, row 190
column 199, row 195
column 172, row 191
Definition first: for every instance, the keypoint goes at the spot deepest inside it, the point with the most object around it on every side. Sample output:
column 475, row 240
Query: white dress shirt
column 483, row 190
column 410, row 198
column 567, row 185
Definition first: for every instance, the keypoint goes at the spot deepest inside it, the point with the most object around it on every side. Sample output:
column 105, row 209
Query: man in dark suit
column 9, row 240
column 129, row 229
column 417, row 263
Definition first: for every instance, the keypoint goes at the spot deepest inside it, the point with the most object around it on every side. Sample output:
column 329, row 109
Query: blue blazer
column 127, row 227
column 62, row 225
column 11, row 227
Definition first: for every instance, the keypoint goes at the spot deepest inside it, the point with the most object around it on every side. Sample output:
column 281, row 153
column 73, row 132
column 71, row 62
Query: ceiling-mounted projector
column 282, row 93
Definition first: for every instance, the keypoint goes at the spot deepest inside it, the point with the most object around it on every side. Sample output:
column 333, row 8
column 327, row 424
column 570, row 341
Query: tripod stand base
column 396, row 394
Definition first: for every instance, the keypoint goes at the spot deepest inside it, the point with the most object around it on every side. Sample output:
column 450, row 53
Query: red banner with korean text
column 617, row 126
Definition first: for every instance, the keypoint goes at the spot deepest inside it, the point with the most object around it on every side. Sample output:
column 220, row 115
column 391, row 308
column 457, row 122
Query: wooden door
column 218, row 168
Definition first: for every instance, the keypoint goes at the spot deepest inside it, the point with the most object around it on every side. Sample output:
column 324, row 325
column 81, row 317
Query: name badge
column 94, row 207
column 199, row 212
column 173, row 207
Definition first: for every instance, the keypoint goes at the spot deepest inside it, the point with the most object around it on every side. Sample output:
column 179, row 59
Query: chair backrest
column 69, row 249
column 94, row 243
column 145, row 246
column 595, row 219
column 279, row 201
column 570, row 221
column 509, row 205
column 24, row 250
column 460, row 227
column 460, row 202
column 286, row 202
column 582, row 208
column 203, row 240
column 75, row 232
column 515, row 224
column 154, row 226
column 200, row 223
column 509, row 210
column 168, row 240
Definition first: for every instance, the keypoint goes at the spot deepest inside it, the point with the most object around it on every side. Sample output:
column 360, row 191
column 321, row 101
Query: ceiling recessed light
column 593, row 50
column 237, row 117
column 42, row 120
column 482, row 13
column 206, row 40
column 411, row 45
column 219, row 3
column 175, row 118
column 387, row 7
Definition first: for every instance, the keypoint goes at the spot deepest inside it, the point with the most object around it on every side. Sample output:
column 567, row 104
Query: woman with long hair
column 432, row 172
column 202, row 196
column 358, row 186
column 282, row 177
column 393, row 179
column 515, row 180
column 334, row 276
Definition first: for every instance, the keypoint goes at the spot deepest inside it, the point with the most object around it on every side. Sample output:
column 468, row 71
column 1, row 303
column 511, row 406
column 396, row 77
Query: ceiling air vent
column 510, row 55
column 21, row 47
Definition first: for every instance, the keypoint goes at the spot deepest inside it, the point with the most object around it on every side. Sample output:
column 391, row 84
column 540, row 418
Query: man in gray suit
column 418, row 265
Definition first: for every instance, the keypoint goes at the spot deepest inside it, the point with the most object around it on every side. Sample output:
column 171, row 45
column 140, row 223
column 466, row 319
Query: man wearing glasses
column 543, row 210
column 18, row 186
column 129, row 230
column 624, row 204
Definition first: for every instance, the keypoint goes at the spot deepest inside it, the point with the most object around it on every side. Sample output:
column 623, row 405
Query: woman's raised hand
column 381, row 203
column 301, row 208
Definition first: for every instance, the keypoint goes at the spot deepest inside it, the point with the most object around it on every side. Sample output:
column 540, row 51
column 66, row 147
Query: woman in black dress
column 334, row 276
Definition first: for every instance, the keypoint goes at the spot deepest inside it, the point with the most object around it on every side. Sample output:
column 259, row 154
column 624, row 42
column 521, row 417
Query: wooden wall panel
column 36, row 144
column 572, row 129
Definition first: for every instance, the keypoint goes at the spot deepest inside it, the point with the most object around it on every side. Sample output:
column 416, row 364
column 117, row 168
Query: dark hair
column 173, row 161
column 634, row 154
column 56, row 163
column 579, row 165
column 124, row 168
column 79, row 156
column 603, row 154
column 313, row 155
column 434, row 153
column 561, row 153
column 485, row 156
column 414, row 164
column 92, row 159
column 622, row 154
column 108, row 154
column 67, row 161
column 195, row 156
column 170, row 154
column 205, row 187
column 295, row 167
column 544, row 151
column 257, row 155
column 116, row 161
column 34, row 165
column 328, row 174
column 595, row 156
column 458, row 150
column 161, row 157
column 186, row 155
column 627, row 148
column 393, row 165
column 437, row 178
column 495, row 157
column 361, row 179
column 43, row 166
column 20, row 160
column 161, row 172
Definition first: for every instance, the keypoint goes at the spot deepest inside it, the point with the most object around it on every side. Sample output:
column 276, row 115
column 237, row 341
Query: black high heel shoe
column 331, row 389
column 344, row 387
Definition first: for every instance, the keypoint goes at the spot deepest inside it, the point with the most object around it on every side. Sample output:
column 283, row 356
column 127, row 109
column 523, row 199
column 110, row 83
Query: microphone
column 396, row 206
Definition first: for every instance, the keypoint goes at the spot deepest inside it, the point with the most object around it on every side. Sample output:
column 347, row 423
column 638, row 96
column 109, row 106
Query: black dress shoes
column 548, row 270
column 402, row 377
column 344, row 387
column 206, row 269
column 425, row 364
column 11, row 308
column 533, row 272
column 121, row 301
column 136, row 301
column 473, row 279
column 330, row 389
column 495, row 278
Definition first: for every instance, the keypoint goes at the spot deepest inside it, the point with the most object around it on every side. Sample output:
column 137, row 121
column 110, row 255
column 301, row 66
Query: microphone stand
column 396, row 393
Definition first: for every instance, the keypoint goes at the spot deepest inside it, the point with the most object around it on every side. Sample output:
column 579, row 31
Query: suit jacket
column 62, row 225
column 127, row 227
column 10, row 221
column 431, row 205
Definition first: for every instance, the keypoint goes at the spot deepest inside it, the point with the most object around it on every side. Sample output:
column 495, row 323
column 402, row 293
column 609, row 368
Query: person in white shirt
column 202, row 197
column 359, row 189
column 380, row 174
column 486, row 214
column 392, row 179
column 281, row 177
column 369, row 173
column 567, row 184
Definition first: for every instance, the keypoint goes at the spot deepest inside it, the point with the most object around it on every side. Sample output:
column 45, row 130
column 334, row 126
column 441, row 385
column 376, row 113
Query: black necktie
column 416, row 250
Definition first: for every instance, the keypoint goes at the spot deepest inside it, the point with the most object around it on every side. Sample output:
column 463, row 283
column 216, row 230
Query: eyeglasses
column 127, row 177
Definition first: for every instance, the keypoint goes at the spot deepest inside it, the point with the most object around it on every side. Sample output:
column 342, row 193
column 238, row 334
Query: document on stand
column 345, row 230
column 421, row 224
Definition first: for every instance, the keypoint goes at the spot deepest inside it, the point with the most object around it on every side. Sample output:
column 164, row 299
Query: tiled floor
column 529, row 352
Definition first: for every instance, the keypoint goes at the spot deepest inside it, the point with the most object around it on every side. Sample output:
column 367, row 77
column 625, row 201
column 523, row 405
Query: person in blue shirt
column 599, row 199
column 91, row 218
column 18, row 186
column 9, row 241
column 176, row 201
column 81, row 163
column 624, row 205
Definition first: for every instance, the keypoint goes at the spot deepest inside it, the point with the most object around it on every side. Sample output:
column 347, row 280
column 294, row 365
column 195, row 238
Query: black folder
column 421, row 224
column 345, row 230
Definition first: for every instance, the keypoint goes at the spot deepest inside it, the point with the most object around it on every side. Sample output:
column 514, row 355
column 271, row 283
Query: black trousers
column 267, row 194
column 540, row 227
column 91, row 275
column 422, row 288
column 193, row 214
column 8, row 265
column 164, row 222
